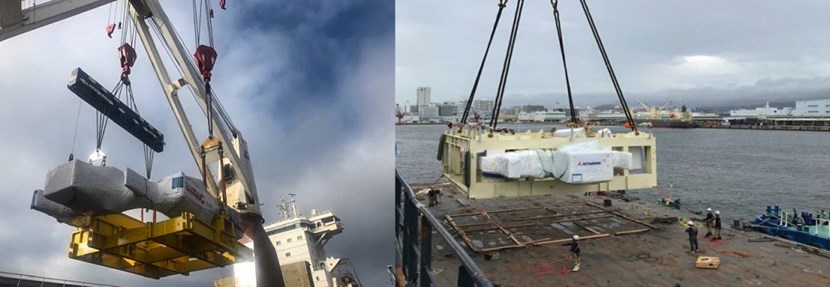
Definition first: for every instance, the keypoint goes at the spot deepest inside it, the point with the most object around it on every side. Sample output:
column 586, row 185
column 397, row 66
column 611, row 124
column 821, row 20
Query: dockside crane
column 654, row 112
column 224, row 147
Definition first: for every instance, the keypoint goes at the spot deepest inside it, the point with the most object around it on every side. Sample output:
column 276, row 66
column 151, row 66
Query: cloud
column 657, row 50
column 307, row 84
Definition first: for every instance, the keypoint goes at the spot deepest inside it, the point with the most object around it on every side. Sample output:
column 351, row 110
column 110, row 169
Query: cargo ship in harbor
column 669, row 123
column 660, row 117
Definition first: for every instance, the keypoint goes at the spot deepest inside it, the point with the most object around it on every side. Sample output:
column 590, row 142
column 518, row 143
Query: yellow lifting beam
column 177, row 245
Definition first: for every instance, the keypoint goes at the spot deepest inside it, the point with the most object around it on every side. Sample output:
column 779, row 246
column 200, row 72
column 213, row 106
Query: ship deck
column 622, row 245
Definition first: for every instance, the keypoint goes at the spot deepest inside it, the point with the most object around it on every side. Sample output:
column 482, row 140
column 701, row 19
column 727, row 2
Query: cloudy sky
column 703, row 52
column 306, row 83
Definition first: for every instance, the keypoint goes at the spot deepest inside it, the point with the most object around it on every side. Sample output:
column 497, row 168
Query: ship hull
column 675, row 124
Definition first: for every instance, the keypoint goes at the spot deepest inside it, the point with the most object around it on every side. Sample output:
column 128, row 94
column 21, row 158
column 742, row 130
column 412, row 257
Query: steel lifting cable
column 224, row 115
column 128, row 31
column 195, row 22
column 109, row 11
column 148, row 152
column 502, row 4
column 220, row 109
column 109, row 26
column 148, row 155
column 102, row 119
column 127, row 58
column 75, row 135
column 507, row 60
column 205, row 56
column 209, row 102
column 218, row 104
column 209, row 20
column 555, row 5
column 610, row 69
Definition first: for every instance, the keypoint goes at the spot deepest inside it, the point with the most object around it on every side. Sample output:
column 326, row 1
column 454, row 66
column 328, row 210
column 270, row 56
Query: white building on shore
column 765, row 111
column 812, row 108
column 806, row 108
column 547, row 116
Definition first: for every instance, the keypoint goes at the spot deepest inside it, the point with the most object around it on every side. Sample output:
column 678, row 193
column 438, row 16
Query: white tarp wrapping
column 622, row 160
column 494, row 164
column 637, row 155
column 546, row 158
column 525, row 163
column 587, row 162
column 517, row 164
column 566, row 133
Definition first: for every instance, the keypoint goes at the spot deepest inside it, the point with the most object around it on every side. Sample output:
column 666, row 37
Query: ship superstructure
column 299, row 241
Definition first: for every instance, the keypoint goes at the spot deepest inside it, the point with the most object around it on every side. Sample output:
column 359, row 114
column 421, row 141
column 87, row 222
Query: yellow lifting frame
column 461, row 150
column 177, row 245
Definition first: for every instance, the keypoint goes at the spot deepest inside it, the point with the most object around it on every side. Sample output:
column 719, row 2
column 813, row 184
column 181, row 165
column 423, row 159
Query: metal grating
column 488, row 231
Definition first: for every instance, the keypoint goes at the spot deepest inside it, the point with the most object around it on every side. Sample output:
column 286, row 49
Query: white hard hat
column 691, row 222
column 576, row 237
column 709, row 209
column 717, row 212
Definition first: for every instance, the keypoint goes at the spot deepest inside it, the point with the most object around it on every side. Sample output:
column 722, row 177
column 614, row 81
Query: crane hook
column 110, row 29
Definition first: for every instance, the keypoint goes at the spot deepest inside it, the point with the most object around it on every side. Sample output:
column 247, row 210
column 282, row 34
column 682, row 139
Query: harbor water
column 738, row 172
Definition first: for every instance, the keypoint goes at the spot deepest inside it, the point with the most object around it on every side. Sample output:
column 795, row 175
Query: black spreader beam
column 105, row 102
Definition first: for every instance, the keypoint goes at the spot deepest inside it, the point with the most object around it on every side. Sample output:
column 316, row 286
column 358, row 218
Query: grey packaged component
column 62, row 213
column 91, row 189
column 82, row 188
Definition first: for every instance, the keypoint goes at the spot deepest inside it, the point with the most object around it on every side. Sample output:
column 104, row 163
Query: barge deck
column 518, row 242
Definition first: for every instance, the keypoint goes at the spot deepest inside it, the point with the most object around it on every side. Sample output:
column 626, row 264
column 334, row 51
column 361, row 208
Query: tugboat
column 805, row 227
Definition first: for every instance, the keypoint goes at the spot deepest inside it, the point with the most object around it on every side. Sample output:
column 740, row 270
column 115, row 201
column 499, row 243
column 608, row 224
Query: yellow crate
column 177, row 245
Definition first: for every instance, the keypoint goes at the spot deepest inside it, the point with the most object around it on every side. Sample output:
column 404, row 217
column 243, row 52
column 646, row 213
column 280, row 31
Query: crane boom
column 242, row 194
column 15, row 21
column 234, row 170
column 244, row 200
column 644, row 105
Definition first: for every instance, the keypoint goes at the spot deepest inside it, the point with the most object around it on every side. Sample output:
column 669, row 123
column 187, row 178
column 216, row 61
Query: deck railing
column 414, row 225
column 23, row 280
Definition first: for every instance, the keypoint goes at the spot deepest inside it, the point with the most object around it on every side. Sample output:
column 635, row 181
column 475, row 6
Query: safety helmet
column 576, row 237
column 709, row 209
column 691, row 222
column 717, row 212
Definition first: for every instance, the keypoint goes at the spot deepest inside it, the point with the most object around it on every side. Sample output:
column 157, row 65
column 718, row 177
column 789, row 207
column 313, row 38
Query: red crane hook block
column 205, row 57
column 127, row 56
